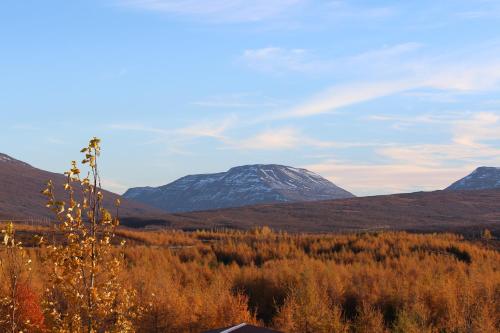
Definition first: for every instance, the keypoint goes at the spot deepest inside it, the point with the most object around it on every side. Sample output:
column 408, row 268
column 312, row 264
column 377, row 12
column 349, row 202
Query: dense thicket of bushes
column 386, row 282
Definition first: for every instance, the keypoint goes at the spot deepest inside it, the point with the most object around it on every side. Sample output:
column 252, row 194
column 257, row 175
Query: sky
column 377, row 96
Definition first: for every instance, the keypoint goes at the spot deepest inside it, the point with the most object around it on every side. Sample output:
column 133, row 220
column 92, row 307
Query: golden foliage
column 84, row 293
column 386, row 282
column 19, row 309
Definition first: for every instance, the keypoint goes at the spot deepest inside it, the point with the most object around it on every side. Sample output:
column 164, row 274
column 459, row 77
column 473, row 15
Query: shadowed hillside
column 457, row 211
column 20, row 197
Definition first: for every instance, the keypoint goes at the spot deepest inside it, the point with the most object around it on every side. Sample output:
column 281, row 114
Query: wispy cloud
column 371, row 179
column 138, row 128
column 430, row 166
column 214, row 129
column 486, row 9
column 344, row 95
column 207, row 129
column 458, row 77
column 219, row 10
column 243, row 11
column 481, row 127
column 176, row 140
column 398, row 76
column 239, row 101
column 56, row 141
column 282, row 138
column 383, row 72
column 279, row 139
column 383, row 53
column 281, row 60
column 472, row 140
column 338, row 10
column 492, row 102
column 400, row 121
column 26, row 127
column 434, row 96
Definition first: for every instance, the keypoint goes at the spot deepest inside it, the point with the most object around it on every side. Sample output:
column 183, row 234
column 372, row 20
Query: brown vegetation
column 464, row 212
column 373, row 282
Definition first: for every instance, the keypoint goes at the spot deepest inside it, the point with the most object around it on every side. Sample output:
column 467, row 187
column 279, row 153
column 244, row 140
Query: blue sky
column 377, row 96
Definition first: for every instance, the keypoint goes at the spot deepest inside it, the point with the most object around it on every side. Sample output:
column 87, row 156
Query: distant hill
column 450, row 211
column 20, row 198
column 480, row 179
column 240, row 186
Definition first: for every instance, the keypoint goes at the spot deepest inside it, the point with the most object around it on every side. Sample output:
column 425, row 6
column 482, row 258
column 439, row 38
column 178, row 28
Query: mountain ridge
column 482, row 178
column 20, row 197
column 239, row 186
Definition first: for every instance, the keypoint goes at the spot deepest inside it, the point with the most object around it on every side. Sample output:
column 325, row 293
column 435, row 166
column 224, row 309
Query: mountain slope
column 20, row 198
column 240, row 186
column 450, row 211
column 480, row 179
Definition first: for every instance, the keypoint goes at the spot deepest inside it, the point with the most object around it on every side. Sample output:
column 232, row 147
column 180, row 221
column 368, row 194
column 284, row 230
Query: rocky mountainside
column 481, row 179
column 20, row 197
column 240, row 186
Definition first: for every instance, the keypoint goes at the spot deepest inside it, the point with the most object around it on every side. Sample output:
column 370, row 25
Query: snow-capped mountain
column 240, row 186
column 482, row 178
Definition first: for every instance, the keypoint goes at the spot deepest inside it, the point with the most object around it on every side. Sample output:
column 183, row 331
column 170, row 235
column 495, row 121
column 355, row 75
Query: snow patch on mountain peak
column 4, row 158
column 480, row 179
column 239, row 186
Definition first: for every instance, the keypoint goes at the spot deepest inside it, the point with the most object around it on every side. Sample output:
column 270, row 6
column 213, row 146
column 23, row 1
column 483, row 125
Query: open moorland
column 465, row 212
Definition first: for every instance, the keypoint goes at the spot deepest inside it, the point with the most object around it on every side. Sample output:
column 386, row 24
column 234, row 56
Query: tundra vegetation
column 90, row 275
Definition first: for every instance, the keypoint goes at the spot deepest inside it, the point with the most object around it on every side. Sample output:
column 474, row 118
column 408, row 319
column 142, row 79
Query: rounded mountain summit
column 482, row 178
column 239, row 186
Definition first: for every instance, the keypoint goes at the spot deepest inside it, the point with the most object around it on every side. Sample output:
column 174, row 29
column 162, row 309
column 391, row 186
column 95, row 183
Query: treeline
column 378, row 282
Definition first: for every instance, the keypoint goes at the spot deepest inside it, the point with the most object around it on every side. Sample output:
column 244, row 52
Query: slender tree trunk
column 93, row 226
column 13, row 293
